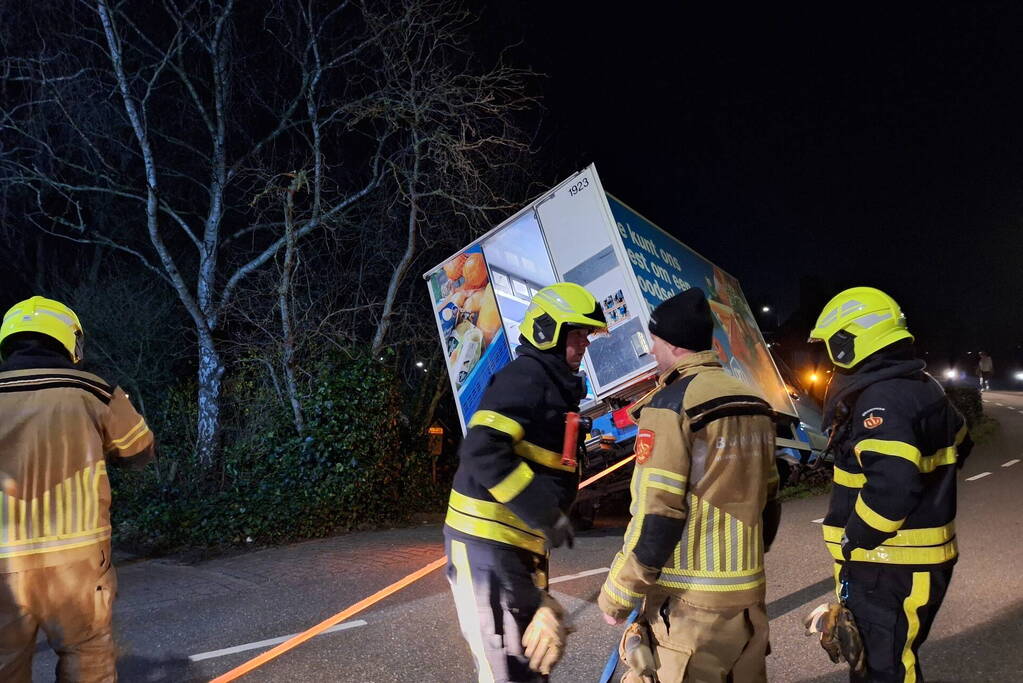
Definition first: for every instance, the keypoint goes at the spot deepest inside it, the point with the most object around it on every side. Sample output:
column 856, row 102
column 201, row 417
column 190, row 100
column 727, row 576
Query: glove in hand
column 838, row 634
column 544, row 638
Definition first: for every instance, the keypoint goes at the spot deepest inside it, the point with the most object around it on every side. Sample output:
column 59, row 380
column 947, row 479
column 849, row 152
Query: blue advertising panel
column 475, row 342
column 664, row 267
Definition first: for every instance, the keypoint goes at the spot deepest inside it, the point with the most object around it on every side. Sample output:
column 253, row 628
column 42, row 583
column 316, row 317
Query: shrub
column 355, row 466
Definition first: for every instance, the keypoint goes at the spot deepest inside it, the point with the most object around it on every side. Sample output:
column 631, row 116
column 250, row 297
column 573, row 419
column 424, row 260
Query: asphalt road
column 191, row 623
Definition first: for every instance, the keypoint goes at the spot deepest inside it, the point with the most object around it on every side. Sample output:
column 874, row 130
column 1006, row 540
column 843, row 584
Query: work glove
column 544, row 638
column 636, row 653
column 560, row 533
column 838, row 634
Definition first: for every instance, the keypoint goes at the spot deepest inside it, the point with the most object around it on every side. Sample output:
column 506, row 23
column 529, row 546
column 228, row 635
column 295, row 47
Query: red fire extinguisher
column 573, row 423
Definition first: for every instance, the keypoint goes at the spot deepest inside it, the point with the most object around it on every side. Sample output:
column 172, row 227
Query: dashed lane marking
column 977, row 476
column 267, row 643
column 588, row 572
column 1010, row 463
column 819, row 521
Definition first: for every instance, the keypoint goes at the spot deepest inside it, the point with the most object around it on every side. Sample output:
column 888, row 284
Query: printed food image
column 468, row 313
column 474, row 271
column 489, row 320
column 453, row 268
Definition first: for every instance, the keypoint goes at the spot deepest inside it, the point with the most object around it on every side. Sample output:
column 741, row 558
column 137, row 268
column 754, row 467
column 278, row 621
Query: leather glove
column 838, row 635
column 560, row 533
column 544, row 639
column 636, row 653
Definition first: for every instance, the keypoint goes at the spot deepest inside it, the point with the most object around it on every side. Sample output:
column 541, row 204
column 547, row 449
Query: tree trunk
column 284, row 302
column 211, row 373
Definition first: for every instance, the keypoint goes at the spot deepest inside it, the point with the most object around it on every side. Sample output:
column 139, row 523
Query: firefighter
column 704, row 505
column 511, row 492
column 57, row 426
column 897, row 441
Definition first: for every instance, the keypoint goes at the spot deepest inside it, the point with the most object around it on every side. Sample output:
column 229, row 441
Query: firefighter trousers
column 497, row 591
column 72, row 604
column 694, row 645
column 894, row 608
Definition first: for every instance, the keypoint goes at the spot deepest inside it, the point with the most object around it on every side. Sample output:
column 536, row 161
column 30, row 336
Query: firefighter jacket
column 57, row 424
column 704, row 474
column 510, row 482
column 897, row 440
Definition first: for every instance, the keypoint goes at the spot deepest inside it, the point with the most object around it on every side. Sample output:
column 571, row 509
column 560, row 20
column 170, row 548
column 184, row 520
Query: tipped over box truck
column 577, row 232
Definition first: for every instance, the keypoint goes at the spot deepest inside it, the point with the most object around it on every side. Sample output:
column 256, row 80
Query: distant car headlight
column 1019, row 376
column 950, row 374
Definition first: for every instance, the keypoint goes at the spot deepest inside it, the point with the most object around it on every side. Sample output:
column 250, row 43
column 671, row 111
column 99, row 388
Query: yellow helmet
column 45, row 316
column 858, row 322
column 555, row 307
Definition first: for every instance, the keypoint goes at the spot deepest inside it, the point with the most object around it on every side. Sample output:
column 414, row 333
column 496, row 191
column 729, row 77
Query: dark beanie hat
column 684, row 320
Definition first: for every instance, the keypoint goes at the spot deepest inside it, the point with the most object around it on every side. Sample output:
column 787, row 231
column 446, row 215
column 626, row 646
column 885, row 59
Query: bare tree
column 455, row 129
column 209, row 97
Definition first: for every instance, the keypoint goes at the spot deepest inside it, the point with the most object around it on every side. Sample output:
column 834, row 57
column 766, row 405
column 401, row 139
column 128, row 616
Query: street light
column 419, row 363
column 765, row 309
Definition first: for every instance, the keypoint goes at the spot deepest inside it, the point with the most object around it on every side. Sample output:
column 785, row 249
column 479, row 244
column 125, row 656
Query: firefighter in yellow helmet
column 897, row 441
column 511, row 492
column 58, row 428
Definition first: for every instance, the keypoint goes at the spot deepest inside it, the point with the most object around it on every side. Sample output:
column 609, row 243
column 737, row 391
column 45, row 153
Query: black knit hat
column 684, row 320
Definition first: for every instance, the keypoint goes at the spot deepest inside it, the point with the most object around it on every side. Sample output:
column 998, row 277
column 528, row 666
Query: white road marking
column 1010, row 463
column 977, row 476
column 588, row 572
column 267, row 643
column 999, row 405
column 819, row 521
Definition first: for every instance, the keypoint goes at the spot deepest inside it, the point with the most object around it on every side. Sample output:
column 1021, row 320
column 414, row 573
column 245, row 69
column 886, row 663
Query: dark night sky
column 877, row 146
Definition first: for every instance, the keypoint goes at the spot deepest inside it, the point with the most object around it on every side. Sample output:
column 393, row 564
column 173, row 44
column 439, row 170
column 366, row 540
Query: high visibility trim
column 54, row 543
column 878, row 521
column 492, row 521
column 493, row 531
column 22, row 515
column 620, row 595
column 131, row 434
column 961, row 434
column 132, row 437
column 80, row 501
column 486, row 509
column 887, row 554
column 899, row 449
column 497, row 422
column 513, row 484
column 712, row 581
column 666, row 487
column 541, row 456
column 47, row 529
column 916, row 599
column 703, row 534
column 465, row 606
column 666, row 476
column 944, row 456
column 926, row 536
column 849, row 479
column 733, row 576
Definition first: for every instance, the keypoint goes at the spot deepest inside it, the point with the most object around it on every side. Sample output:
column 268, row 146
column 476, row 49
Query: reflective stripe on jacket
column 56, row 427
column 510, row 481
column 894, row 493
column 705, row 471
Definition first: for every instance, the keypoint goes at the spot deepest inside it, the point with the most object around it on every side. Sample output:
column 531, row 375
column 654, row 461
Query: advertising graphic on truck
column 578, row 233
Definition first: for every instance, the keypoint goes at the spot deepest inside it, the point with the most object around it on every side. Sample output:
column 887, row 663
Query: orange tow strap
column 363, row 604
